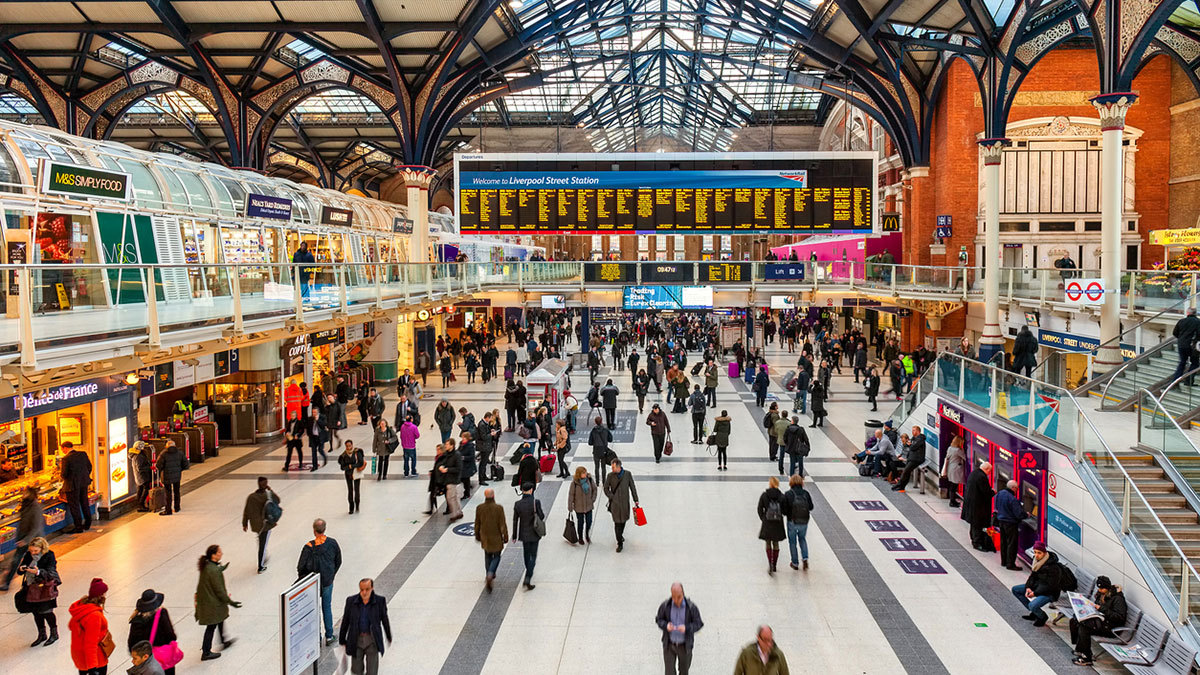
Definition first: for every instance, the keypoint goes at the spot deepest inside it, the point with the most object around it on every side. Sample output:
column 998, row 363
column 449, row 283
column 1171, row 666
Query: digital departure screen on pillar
column 676, row 193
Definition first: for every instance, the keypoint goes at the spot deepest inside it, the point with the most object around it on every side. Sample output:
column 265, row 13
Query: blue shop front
column 97, row 416
column 1012, row 456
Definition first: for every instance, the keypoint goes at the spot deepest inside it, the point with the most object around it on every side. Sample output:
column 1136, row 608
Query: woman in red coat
column 89, row 631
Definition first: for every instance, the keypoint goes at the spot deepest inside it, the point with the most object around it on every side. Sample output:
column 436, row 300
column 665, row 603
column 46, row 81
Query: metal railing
column 1015, row 398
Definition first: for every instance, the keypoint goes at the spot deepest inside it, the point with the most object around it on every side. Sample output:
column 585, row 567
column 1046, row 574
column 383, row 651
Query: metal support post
column 154, row 337
column 235, row 291
column 297, row 295
column 25, row 319
column 1126, row 495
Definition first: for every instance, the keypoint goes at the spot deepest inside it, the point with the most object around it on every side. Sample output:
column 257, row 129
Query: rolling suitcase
column 733, row 369
column 789, row 380
column 546, row 463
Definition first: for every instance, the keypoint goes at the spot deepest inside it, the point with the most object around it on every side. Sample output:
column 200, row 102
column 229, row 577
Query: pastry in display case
column 48, row 484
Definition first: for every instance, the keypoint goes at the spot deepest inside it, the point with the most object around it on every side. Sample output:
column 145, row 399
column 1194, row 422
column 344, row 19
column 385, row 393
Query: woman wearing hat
column 91, row 643
column 38, row 567
column 1113, row 614
column 151, row 618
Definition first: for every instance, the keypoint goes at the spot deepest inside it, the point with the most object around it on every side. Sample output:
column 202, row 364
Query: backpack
column 799, row 511
column 774, row 511
column 272, row 511
column 767, row 421
column 1067, row 580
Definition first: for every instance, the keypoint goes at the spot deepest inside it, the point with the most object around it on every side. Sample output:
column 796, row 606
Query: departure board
column 675, row 193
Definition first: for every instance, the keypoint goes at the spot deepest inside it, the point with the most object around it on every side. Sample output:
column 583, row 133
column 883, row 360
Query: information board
column 676, row 193
column 300, row 624
column 610, row 272
column 668, row 297
column 724, row 272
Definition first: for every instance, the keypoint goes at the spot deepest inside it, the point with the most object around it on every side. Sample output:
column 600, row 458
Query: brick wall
column 1184, row 193
column 1059, row 84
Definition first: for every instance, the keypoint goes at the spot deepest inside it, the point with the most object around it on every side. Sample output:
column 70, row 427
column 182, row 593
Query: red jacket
column 88, row 627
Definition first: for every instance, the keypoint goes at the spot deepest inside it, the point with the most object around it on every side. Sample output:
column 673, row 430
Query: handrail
column 1115, row 371
column 1130, row 487
column 1149, row 353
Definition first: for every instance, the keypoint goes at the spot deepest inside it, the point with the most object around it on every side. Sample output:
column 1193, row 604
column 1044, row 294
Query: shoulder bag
column 569, row 532
column 168, row 655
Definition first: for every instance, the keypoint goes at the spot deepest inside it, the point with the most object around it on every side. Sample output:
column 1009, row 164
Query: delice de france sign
column 71, row 180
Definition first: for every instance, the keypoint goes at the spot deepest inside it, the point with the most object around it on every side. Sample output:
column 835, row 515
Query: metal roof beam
column 202, row 30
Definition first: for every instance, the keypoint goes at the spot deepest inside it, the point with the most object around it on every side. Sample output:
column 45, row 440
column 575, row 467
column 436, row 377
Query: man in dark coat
column 679, row 619
column 600, row 438
column 525, row 511
column 1009, row 514
column 795, row 441
column 977, row 506
column 300, row 257
column 364, row 624
column 254, row 518
column 1025, row 352
column 170, row 473
column 1186, row 332
column 484, row 447
column 608, row 396
column 914, row 457
column 77, row 476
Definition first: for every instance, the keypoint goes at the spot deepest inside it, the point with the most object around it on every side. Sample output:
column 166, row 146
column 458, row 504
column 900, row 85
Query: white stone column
column 992, row 341
column 1112, row 109
column 416, row 182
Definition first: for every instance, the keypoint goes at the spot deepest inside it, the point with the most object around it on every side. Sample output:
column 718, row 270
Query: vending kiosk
column 1012, row 456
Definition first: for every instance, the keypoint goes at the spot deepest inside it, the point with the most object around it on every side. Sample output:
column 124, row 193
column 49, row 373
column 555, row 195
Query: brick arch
column 268, row 106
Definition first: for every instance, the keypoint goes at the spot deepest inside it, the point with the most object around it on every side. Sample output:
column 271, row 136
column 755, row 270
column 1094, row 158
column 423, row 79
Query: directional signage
column 886, row 526
column 889, row 222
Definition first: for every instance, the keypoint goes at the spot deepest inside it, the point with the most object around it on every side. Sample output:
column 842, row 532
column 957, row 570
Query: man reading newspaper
column 1096, row 618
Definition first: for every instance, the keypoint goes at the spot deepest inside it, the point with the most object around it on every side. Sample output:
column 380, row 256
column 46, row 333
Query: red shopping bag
column 639, row 516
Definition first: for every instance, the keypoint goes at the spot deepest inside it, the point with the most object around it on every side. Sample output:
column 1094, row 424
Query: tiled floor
column 854, row 611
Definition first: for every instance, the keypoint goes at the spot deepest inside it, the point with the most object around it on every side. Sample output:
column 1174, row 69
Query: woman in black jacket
column 817, row 393
column 141, row 624
column 1113, row 614
column 770, row 513
column 352, row 463
column 38, row 566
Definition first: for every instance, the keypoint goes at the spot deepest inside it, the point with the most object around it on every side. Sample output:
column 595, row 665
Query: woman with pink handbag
column 152, row 623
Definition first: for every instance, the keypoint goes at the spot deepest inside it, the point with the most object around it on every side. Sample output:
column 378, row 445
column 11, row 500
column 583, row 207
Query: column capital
column 916, row 172
column 1113, row 108
column 992, row 149
column 417, row 175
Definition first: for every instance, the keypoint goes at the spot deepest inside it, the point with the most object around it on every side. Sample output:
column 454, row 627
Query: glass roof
column 337, row 101
column 1187, row 14
column 11, row 104
column 176, row 103
column 688, row 69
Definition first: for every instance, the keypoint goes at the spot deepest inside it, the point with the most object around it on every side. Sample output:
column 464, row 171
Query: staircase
column 1148, row 369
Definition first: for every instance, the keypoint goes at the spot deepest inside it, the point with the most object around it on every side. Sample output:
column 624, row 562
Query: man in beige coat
column 491, row 531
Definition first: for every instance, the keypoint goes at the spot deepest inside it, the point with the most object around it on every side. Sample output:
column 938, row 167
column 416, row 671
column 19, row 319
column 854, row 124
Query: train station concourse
column 708, row 336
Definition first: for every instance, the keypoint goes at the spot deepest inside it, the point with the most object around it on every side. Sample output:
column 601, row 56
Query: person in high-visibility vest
column 907, row 362
column 292, row 400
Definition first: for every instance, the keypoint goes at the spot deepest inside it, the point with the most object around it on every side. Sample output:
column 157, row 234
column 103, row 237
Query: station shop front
column 1012, row 456
column 97, row 417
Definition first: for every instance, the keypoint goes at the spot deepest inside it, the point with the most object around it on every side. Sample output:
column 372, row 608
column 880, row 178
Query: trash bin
column 871, row 426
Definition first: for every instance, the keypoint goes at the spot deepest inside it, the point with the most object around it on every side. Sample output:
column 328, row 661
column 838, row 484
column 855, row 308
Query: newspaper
column 1135, row 654
column 1083, row 607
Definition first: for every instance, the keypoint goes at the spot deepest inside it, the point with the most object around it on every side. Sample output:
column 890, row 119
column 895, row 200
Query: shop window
column 1056, row 226
column 10, row 178
column 65, row 240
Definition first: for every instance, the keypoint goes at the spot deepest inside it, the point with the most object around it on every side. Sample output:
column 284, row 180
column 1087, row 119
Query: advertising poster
column 118, row 459
column 300, row 623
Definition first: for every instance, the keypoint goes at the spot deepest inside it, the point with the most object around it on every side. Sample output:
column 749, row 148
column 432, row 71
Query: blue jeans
column 529, row 548
column 801, row 403
column 571, row 419
column 796, row 531
column 796, row 464
column 410, row 459
column 327, row 609
column 445, row 434
column 1035, row 605
column 491, row 562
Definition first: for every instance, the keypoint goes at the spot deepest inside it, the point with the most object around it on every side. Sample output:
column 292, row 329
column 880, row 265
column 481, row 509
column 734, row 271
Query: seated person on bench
column 1113, row 612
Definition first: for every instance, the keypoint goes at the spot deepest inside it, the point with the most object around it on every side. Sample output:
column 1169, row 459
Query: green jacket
column 711, row 375
column 749, row 663
column 778, row 427
column 212, row 602
column 721, row 428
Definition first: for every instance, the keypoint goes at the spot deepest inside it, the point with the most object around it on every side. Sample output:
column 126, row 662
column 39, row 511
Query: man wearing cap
column 1043, row 586
column 1186, row 332
column 526, row 513
column 1113, row 614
